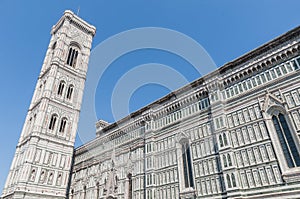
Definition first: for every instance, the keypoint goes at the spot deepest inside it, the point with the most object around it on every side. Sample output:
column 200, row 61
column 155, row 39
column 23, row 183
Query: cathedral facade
column 233, row 133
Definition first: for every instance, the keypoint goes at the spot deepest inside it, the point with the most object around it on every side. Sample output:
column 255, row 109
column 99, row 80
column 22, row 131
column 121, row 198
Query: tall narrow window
column 225, row 139
column 84, row 192
column 70, row 92
column 221, row 140
column 61, row 88
column 69, row 56
column 32, row 175
column 75, row 59
column 229, row 160
column 224, row 161
column 129, row 176
column 187, row 165
column 72, row 57
column 233, row 180
column 58, row 181
column 228, row 181
column 52, row 122
column 63, row 123
column 72, row 194
column 286, row 140
column 98, row 190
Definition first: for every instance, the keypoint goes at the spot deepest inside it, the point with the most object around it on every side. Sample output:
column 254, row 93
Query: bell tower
column 43, row 158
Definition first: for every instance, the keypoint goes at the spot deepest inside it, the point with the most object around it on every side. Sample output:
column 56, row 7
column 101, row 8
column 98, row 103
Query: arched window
column 72, row 194
column 50, row 178
column 98, row 190
column 70, row 92
column 42, row 177
column 52, row 122
column 187, row 165
column 129, row 176
column 233, row 180
column 32, row 175
column 221, row 141
column 228, row 181
column 72, row 57
column 286, row 140
column 63, row 123
column 225, row 139
column 61, row 88
column 58, row 181
column 54, row 45
column 229, row 160
column 84, row 192
column 224, row 161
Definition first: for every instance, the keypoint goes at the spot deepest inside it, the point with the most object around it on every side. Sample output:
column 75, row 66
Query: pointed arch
column 129, row 177
column 70, row 91
column 52, row 122
column 233, row 180
column 225, row 139
column 73, row 53
column 221, row 140
column 32, row 175
column 61, row 87
column 229, row 160
column 224, row 160
column 63, row 123
column 187, row 164
column 228, row 181
column 286, row 141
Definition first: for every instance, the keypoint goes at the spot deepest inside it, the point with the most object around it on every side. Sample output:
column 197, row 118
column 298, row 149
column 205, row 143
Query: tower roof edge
column 77, row 21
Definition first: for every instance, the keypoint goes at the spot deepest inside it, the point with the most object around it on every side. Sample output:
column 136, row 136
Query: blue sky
column 226, row 29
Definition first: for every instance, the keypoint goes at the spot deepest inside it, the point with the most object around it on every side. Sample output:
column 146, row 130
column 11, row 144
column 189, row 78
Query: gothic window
column 225, row 139
column 42, row 177
column 54, row 45
column 52, row 122
column 61, row 88
column 32, row 175
column 228, row 181
column 286, row 140
column 221, row 140
column 70, row 92
column 187, row 165
column 233, row 180
column 84, row 192
column 229, row 160
column 58, row 182
column 63, row 123
column 72, row 57
column 50, row 178
column 98, row 190
column 129, row 176
column 224, row 161
column 72, row 193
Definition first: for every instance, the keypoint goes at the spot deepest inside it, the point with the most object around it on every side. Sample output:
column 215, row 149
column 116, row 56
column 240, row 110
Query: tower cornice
column 78, row 22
